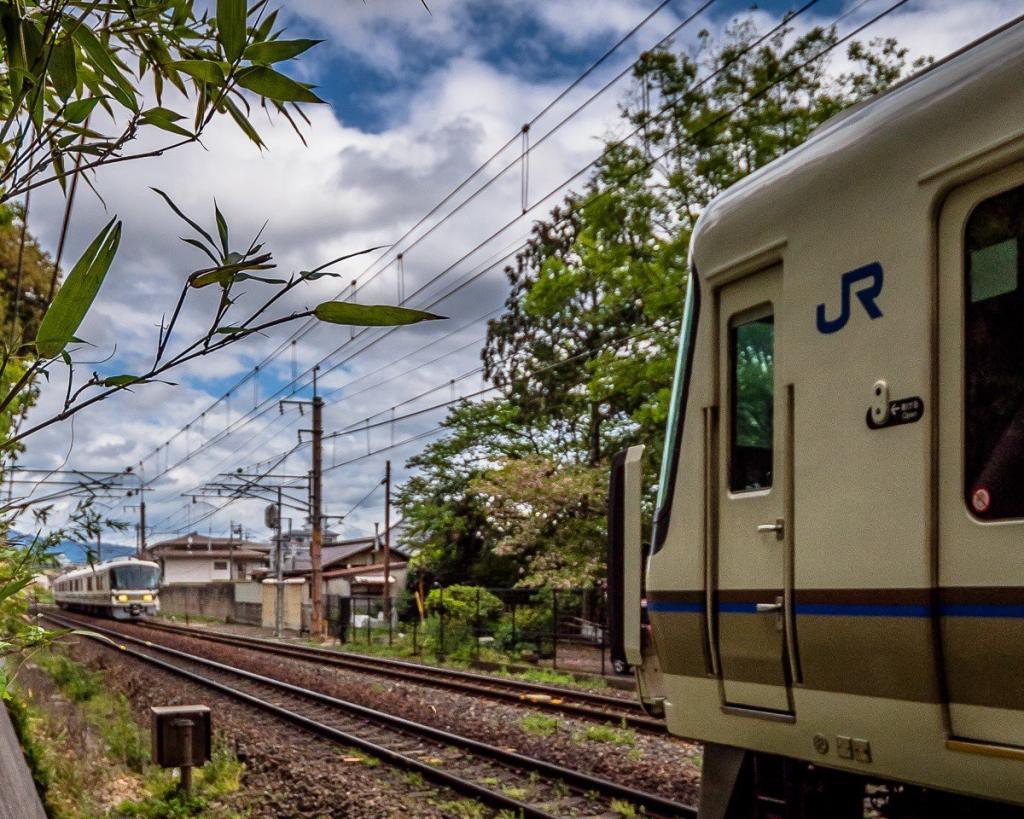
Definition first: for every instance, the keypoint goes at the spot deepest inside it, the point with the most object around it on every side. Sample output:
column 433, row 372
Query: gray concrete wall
column 212, row 600
column 249, row 613
column 18, row 797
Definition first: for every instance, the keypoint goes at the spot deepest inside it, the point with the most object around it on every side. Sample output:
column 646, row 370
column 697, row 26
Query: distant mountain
column 75, row 552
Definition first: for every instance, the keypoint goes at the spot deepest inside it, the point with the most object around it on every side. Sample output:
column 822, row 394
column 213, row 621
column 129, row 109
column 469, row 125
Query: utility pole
column 279, row 590
column 387, row 543
column 142, row 510
column 316, row 513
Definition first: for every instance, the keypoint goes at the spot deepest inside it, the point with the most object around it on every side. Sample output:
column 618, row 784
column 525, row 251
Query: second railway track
column 577, row 703
column 503, row 779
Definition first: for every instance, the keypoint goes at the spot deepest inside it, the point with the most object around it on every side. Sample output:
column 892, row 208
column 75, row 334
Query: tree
column 80, row 83
column 584, row 352
column 446, row 522
column 585, row 346
column 548, row 518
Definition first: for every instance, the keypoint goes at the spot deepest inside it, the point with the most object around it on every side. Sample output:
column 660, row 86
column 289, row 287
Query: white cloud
column 348, row 190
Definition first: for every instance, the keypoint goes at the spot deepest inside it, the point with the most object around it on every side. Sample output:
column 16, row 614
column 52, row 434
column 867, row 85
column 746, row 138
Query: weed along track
column 576, row 703
column 500, row 778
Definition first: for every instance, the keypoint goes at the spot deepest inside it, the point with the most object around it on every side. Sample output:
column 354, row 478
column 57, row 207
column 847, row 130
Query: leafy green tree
column 584, row 351
column 549, row 518
column 446, row 523
column 601, row 284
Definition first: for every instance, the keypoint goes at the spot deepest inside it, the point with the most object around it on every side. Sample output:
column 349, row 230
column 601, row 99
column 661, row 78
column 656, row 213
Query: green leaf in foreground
column 274, row 86
column 128, row 380
column 274, row 51
column 78, row 110
column 370, row 315
column 202, row 70
column 231, row 27
column 78, row 292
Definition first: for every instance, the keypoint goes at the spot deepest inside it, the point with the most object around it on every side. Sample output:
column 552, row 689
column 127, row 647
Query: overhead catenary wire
column 290, row 341
column 728, row 113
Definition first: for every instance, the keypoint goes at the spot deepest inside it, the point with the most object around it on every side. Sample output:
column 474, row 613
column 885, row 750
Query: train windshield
column 677, row 407
column 135, row 577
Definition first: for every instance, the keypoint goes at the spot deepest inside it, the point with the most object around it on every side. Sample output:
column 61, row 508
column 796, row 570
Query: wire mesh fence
column 565, row 629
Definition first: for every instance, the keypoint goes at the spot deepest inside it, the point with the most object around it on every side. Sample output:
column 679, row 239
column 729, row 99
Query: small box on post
column 181, row 738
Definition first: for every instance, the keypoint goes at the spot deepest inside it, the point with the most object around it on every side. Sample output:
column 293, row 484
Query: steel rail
column 584, row 704
column 577, row 780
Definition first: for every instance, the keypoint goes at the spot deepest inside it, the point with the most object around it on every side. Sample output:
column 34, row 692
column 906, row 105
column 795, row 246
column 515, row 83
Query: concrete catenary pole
column 279, row 562
column 317, row 624
column 387, row 542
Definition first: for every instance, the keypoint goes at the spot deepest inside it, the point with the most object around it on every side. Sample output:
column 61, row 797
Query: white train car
column 124, row 588
column 834, row 593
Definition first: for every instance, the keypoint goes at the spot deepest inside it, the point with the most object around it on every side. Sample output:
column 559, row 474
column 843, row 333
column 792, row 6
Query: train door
column 750, row 555
column 980, row 501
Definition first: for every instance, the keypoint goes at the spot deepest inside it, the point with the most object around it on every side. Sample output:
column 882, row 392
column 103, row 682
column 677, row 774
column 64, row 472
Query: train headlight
column 122, row 598
column 147, row 598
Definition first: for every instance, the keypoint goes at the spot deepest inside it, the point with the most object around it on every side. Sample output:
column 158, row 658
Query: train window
column 135, row 577
column 994, row 358
column 220, row 565
column 752, row 372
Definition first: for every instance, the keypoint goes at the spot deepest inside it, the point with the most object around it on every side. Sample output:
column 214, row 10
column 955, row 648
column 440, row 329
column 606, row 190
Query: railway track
column 502, row 779
column 581, row 704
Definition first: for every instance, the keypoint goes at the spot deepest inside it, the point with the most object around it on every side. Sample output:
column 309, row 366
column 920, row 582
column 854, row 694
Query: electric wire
column 572, row 86
column 718, row 120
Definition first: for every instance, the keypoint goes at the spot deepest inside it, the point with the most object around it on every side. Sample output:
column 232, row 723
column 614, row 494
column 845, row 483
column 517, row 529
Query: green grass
column 625, row 809
column 513, row 792
column 221, row 776
column 539, row 725
column 77, row 783
column 364, row 759
column 75, row 681
column 462, row 809
column 606, row 733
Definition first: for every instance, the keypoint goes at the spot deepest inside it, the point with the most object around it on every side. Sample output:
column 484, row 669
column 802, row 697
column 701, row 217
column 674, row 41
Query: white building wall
column 189, row 570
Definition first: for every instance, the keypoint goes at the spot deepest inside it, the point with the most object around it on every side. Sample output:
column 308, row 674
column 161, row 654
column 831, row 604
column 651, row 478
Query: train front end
column 134, row 590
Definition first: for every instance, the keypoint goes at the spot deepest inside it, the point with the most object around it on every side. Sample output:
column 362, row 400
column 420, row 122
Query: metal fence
column 557, row 628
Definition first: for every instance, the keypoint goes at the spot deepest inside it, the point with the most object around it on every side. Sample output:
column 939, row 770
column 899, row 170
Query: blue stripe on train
column 852, row 609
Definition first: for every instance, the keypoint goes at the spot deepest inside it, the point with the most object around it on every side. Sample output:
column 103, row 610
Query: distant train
column 123, row 588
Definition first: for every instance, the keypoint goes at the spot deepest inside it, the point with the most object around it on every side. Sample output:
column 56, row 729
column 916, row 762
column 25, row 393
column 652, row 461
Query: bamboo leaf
column 63, row 68
column 370, row 315
column 228, row 273
column 165, row 120
column 275, row 86
column 79, row 110
column 128, row 380
column 183, row 217
column 321, row 271
column 16, row 61
column 202, row 70
column 234, row 331
column 231, row 27
column 102, row 60
column 78, row 292
column 242, row 121
column 222, row 229
column 274, row 51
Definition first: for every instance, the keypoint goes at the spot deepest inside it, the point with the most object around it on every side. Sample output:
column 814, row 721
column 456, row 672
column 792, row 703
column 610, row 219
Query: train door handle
column 769, row 608
column 778, row 529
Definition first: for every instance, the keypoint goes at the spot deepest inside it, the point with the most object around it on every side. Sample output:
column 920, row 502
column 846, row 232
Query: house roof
column 196, row 554
column 197, row 542
column 369, row 569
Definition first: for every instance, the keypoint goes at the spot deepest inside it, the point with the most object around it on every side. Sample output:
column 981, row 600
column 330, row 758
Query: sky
column 417, row 102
